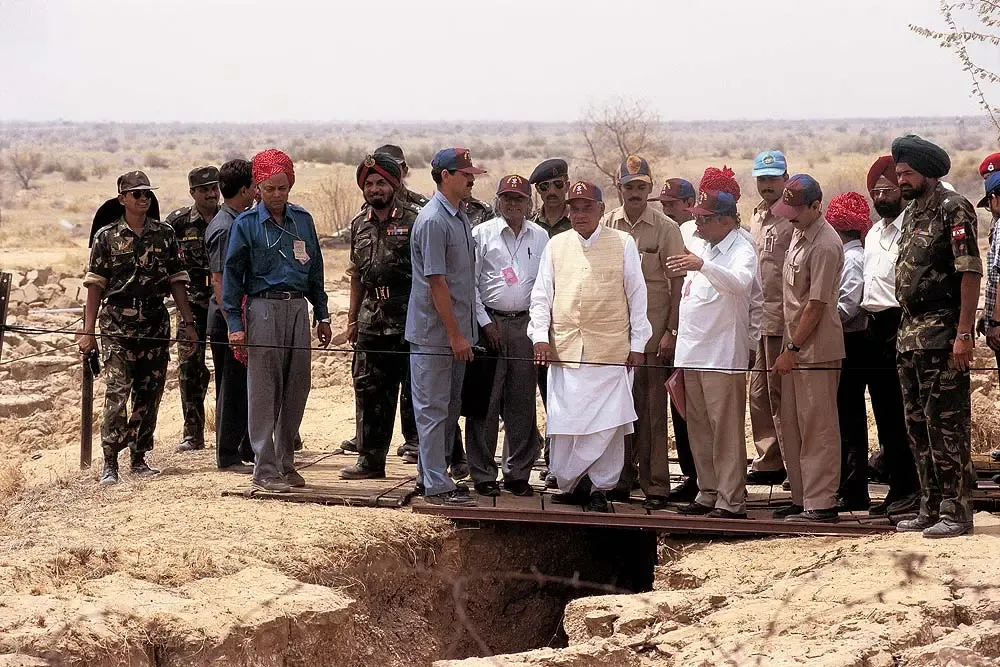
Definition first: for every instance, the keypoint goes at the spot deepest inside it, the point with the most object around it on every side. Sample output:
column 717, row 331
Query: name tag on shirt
column 509, row 275
column 299, row 250
column 769, row 243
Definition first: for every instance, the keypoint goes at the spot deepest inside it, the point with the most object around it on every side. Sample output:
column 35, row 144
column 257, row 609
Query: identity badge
column 509, row 275
column 299, row 250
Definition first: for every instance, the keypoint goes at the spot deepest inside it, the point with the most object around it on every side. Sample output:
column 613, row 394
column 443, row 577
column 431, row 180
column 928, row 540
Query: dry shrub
column 11, row 484
column 338, row 201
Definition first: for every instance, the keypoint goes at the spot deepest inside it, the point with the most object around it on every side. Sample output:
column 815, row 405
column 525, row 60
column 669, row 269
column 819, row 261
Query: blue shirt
column 441, row 245
column 261, row 258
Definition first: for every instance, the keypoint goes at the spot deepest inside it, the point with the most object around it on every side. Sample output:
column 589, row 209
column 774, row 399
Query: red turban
column 722, row 180
column 849, row 211
column 884, row 166
column 271, row 162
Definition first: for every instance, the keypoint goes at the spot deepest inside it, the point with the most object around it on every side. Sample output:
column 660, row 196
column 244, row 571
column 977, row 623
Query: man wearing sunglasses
column 189, row 225
column 134, row 263
column 551, row 181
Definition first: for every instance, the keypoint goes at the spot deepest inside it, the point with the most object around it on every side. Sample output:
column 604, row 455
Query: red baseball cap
column 584, row 190
column 800, row 191
column 514, row 184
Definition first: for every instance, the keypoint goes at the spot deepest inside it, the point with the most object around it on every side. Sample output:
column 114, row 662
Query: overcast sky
column 545, row 60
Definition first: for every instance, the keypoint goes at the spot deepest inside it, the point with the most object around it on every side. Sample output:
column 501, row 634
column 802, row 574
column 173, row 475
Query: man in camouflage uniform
column 189, row 225
column 551, row 181
column 133, row 264
column 477, row 210
column 380, row 290
column 937, row 284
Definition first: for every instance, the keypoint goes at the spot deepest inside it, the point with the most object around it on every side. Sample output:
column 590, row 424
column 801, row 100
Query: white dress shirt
column 716, row 304
column 506, row 265
column 852, row 283
column 879, row 266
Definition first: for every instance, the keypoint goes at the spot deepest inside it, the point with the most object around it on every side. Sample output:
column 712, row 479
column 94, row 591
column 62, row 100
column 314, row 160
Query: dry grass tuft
column 11, row 484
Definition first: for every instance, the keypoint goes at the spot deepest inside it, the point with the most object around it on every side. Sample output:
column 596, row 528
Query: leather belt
column 507, row 313
column 279, row 295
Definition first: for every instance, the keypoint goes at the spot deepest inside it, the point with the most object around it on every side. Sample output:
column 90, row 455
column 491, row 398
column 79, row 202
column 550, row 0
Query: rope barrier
column 351, row 350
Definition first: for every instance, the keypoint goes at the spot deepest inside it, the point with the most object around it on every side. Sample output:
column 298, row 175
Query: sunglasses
column 140, row 194
column 557, row 184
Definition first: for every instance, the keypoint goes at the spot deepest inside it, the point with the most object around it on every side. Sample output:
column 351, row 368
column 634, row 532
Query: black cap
column 549, row 169
column 393, row 151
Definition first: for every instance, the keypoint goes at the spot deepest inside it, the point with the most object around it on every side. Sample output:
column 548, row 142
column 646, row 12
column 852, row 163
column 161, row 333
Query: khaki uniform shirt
column 657, row 237
column 812, row 269
column 772, row 235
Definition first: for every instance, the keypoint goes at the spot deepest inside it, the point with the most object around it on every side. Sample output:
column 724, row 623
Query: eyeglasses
column 702, row 220
column 883, row 192
column 140, row 194
column 558, row 184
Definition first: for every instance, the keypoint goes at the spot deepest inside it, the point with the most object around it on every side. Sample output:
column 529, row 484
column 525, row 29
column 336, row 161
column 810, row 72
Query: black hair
column 436, row 174
column 234, row 176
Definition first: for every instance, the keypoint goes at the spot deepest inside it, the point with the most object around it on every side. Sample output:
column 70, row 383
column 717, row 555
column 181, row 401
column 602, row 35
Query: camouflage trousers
column 378, row 378
column 938, row 408
column 192, row 378
column 139, row 376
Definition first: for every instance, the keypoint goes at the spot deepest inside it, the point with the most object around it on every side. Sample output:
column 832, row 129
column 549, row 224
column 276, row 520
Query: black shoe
column 241, row 468
column 295, row 480
column 719, row 513
column 358, row 471
column 917, row 525
column 684, row 493
column 418, row 489
column 347, row 445
column 189, row 445
column 569, row 498
column 655, row 502
column 765, row 477
column 855, row 505
column 996, row 479
column 297, row 443
column 598, row 502
column 141, row 469
column 457, row 497
column 409, row 457
column 519, row 487
column 828, row 515
column 109, row 476
column 550, row 481
column 271, row 485
column 491, row 489
column 786, row 486
column 995, row 455
column 695, row 509
column 787, row 511
column 948, row 528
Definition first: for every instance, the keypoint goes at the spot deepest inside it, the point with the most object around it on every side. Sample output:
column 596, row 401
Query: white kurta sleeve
column 635, row 290
column 852, row 288
column 540, row 311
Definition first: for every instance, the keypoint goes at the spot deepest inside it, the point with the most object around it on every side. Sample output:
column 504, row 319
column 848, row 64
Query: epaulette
column 296, row 207
column 182, row 211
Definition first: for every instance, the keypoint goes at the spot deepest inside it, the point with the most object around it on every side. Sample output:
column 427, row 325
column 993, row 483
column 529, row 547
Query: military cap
column 393, row 151
column 800, row 191
column 584, row 190
column 714, row 202
column 675, row 189
column 202, row 176
column 549, row 169
column 514, row 184
column 455, row 159
column 990, row 165
column 992, row 184
column 133, row 180
column 634, row 168
column 927, row 159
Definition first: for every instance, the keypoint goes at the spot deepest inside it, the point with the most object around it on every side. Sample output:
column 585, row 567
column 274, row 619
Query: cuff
column 234, row 321
column 483, row 318
column 94, row 280
column 180, row 277
column 969, row 264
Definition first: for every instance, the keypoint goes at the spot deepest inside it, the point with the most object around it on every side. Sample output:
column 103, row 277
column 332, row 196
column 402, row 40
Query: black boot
column 109, row 476
column 140, row 468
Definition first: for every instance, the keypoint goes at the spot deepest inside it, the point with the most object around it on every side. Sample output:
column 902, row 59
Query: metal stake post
column 86, row 415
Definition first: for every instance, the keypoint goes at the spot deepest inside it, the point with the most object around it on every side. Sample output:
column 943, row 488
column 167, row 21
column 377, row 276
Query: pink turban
column 271, row 162
column 849, row 211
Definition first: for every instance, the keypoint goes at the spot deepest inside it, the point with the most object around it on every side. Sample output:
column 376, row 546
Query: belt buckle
column 284, row 296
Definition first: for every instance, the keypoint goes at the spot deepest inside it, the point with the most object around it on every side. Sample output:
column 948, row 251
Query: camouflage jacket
column 134, row 273
column 937, row 245
column 190, row 231
column 561, row 225
column 415, row 198
column 380, row 259
column 478, row 211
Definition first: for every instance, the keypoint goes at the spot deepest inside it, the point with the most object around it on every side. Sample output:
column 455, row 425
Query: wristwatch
column 325, row 320
column 965, row 336
column 672, row 332
column 792, row 346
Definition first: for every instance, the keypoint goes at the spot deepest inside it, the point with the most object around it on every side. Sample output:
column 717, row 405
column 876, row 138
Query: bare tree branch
column 25, row 165
column 616, row 130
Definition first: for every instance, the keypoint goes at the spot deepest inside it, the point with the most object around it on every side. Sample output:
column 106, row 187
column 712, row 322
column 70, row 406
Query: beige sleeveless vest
column 590, row 319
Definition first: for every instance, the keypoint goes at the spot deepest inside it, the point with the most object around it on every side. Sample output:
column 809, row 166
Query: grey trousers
column 277, row 382
column 436, row 384
column 513, row 397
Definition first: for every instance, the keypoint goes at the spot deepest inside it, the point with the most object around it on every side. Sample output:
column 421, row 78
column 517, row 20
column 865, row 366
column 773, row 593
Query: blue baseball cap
column 769, row 163
column 992, row 188
column 800, row 191
column 675, row 189
column 455, row 159
column 634, row 168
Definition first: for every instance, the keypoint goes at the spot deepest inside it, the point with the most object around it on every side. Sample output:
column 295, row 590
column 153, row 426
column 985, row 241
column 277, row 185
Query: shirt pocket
column 193, row 253
column 263, row 260
column 651, row 266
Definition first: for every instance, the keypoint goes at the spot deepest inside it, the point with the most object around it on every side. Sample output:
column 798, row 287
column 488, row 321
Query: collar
column 504, row 225
column 540, row 217
column 394, row 213
column 229, row 209
column 726, row 244
column 643, row 217
column 812, row 230
column 148, row 223
column 763, row 207
column 933, row 201
column 896, row 222
column 853, row 243
column 263, row 215
column 443, row 201
column 593, row 237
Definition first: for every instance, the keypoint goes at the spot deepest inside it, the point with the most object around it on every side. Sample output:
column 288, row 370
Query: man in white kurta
column 588, row 318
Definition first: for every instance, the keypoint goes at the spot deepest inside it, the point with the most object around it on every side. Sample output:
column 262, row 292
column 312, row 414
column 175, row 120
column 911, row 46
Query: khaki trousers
column 810, row 430
column 765, row 407
column 646, row 449
column 716, row 410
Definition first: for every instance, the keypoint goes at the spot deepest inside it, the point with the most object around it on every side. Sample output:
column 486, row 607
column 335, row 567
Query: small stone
column 600, row 623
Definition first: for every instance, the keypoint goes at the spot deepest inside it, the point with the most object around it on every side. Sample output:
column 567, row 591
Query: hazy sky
column 266, row 60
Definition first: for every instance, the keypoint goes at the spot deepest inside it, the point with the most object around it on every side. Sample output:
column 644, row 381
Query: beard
column 378, row 202
column 889, row 210
column 911, row 193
